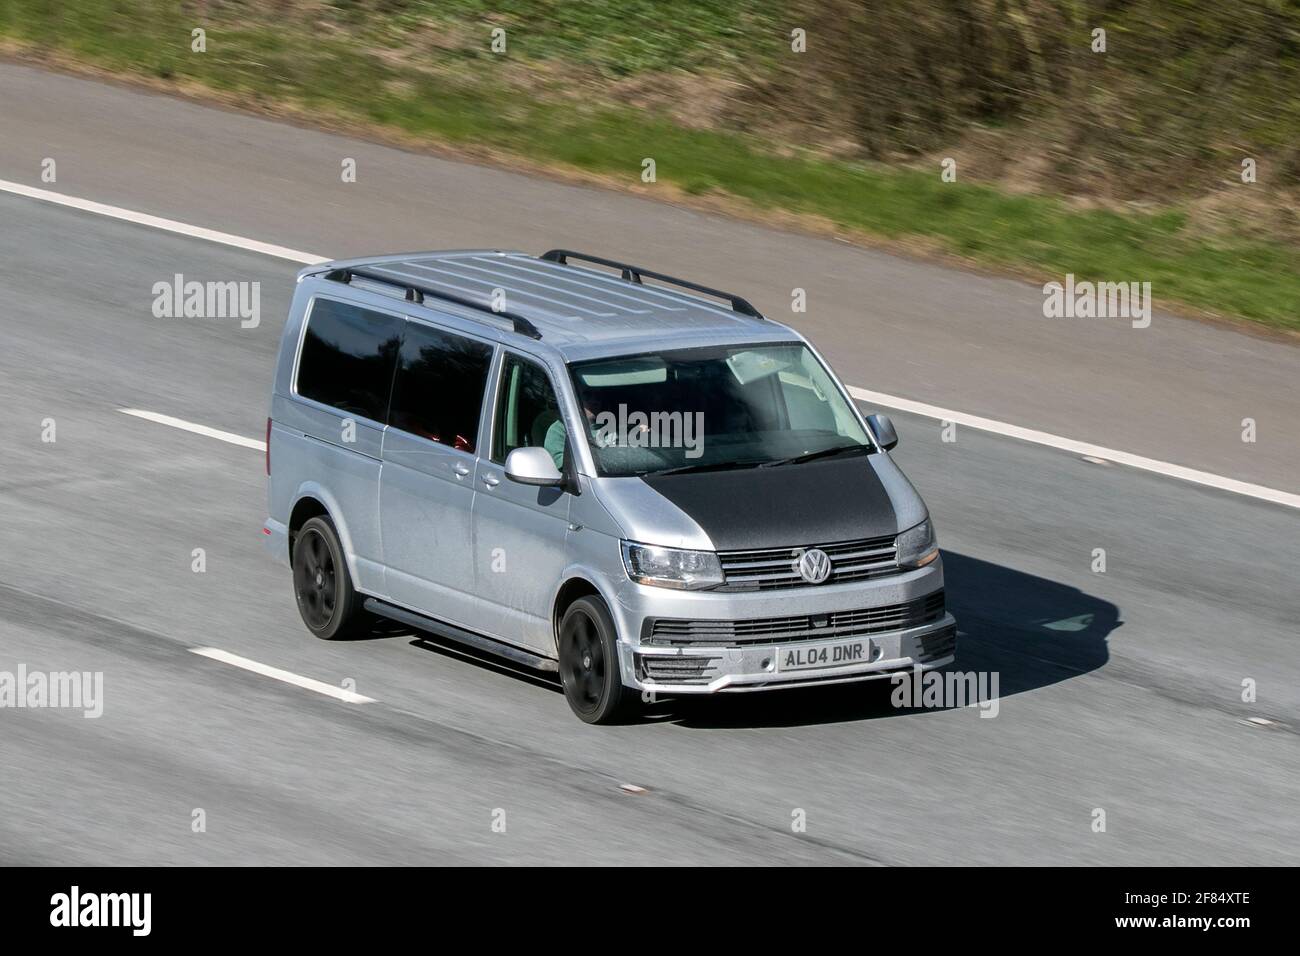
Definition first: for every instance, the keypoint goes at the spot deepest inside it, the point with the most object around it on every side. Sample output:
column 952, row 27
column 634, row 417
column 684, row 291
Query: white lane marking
column 197, row 429
column 157, row 222
column 878, row 398
column 1085, row 449
column 289, row 677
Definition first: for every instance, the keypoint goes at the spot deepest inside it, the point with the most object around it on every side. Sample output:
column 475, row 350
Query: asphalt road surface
column 1120, row 691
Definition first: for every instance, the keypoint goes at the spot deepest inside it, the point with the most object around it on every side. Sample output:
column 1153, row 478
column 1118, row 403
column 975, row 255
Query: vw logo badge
column 814, row 566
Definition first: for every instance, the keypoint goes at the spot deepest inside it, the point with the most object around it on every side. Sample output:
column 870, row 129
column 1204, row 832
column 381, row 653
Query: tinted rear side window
column 348, row 356
column 439, row 389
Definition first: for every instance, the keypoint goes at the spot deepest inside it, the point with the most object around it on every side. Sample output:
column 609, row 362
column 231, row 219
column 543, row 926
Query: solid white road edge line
column 156, row 222
column 320, row 687
column 1078, row 447
column 1165, row 468
column 197, row 429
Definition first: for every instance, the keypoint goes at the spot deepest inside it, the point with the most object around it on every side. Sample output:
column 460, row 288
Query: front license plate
column 811, row 656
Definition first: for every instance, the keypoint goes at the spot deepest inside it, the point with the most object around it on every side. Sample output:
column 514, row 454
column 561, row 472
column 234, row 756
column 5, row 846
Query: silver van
column 591, row 468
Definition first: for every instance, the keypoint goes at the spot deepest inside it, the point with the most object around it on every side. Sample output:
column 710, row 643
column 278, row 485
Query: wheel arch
column 577, row 583
column 313, row 501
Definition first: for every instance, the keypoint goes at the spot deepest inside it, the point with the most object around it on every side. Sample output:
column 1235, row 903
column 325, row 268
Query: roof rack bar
column 635, row 273
column 416, row 293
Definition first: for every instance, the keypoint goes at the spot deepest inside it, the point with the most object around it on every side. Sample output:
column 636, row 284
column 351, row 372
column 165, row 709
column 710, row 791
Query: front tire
column 589, row 669
column 329, row 605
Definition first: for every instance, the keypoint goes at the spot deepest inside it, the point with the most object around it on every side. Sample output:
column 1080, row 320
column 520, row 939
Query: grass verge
column 289, row 62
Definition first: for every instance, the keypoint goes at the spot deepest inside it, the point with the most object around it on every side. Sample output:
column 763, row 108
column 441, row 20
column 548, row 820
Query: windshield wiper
column 704, row 466
column 814, row 455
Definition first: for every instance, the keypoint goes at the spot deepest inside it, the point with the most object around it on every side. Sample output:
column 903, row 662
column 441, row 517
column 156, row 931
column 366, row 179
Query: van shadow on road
column 1031, row 631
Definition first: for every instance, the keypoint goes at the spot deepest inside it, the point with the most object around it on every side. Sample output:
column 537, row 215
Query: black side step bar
column 634, row 274
column 461, row 636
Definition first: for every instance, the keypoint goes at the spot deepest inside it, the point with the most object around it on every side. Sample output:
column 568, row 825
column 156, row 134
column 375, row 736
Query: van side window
column 527, row 414
column 347, row 358
column 438, row 392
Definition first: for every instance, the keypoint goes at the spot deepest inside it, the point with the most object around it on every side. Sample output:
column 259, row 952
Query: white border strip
column 167, row 225
column 320, row 687
column 1165, row 468
column 197, row 429
column 1079, row 447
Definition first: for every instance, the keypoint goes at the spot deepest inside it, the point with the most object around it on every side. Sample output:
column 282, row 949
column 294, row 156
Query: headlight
column 917, row 546
column 670, row 567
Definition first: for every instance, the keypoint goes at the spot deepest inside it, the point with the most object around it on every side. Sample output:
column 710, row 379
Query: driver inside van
column 554, row 442
column 556, row 434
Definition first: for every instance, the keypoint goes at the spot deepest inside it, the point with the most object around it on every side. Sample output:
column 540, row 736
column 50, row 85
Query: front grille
column 803, row 627
column 774, row 568
column 676, row 670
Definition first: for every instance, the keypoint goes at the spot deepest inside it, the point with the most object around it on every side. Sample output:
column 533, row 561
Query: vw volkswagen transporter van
column 593, row 469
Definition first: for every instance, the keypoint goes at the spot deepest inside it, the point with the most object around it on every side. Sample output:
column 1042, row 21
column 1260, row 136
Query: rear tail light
column 268, row 445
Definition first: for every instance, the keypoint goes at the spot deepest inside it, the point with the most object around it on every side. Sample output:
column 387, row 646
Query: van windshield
column 714, row 408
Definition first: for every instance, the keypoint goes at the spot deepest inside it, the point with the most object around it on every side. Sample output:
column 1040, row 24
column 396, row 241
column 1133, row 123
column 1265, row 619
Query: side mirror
column 883, row 429
column 532, row 466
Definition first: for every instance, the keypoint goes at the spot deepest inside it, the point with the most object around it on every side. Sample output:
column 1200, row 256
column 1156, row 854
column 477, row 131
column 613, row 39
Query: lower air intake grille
column 804, row 627
column 676, row 670
column 939, row 644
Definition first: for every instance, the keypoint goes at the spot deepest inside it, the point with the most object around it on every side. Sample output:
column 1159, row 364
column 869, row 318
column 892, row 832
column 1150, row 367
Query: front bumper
column 745, row 660
column 709, row 670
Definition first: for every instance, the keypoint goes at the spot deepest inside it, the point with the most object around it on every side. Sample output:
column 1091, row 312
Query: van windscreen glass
column 714, row 408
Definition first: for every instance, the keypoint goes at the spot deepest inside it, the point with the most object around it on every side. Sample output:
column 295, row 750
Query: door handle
column 460, row 470
column 491, row 480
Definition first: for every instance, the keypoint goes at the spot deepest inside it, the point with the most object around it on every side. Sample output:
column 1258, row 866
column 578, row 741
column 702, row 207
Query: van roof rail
column 635, row 273
column 416, row 292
